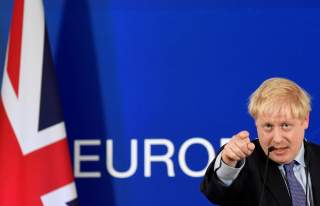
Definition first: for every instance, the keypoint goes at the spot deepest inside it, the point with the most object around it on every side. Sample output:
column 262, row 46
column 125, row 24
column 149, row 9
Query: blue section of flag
column 5, row 16
column 74, row 202
column 50, row 112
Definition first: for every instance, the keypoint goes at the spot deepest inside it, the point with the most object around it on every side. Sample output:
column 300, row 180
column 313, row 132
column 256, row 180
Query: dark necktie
column 298, row 195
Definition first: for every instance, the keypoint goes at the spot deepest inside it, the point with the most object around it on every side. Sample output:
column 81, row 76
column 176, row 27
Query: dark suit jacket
column 247, row 187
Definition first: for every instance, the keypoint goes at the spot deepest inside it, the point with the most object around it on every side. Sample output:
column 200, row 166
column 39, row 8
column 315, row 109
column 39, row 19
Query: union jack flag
column 35, row 165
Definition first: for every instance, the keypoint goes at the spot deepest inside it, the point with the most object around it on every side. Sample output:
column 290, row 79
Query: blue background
column 170, row 69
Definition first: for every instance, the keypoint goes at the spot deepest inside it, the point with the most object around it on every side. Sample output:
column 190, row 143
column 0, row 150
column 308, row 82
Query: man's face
column 284, row 132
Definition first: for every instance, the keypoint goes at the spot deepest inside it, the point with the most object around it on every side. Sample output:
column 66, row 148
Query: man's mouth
column 280, row 150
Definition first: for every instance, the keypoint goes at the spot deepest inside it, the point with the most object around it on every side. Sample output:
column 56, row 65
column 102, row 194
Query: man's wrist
column 225, row 173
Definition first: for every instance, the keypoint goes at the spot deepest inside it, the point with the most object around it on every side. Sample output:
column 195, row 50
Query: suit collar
column 313, row 165
column 300, row 158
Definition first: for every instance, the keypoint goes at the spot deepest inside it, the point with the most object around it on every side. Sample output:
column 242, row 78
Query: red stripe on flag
column 14, row 51
column 24, row 179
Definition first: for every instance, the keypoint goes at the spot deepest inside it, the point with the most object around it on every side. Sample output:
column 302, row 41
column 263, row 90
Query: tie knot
column 289, row 167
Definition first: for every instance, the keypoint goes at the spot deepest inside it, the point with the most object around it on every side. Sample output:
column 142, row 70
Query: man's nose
column 277, row 135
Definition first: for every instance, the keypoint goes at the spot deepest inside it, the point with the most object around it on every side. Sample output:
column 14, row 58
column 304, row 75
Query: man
column 280, row 168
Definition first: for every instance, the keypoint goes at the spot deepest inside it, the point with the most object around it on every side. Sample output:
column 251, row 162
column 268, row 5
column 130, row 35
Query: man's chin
column 281, row 158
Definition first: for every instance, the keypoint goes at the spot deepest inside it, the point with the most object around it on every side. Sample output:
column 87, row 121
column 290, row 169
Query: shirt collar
column 300, row 156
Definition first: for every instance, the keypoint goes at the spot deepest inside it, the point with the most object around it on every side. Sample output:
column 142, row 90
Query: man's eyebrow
column 286, row 122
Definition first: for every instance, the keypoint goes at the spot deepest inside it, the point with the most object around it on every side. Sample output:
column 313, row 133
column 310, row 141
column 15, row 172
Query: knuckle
column 233, row 156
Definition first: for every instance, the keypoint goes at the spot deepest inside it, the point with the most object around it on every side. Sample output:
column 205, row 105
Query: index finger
column 243, row 135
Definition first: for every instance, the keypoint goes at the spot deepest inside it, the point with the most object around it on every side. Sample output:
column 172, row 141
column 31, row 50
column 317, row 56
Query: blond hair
column 278, row 95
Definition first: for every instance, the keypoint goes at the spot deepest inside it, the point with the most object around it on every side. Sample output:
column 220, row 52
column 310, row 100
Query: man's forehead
column 276, row 117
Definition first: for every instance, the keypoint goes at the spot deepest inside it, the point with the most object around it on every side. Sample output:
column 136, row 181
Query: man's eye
column 285, row 126
column 268, row 127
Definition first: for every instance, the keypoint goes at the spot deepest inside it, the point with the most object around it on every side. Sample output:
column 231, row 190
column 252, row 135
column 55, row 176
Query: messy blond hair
column 277, row 95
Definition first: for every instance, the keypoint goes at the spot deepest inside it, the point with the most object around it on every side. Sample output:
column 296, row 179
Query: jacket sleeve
column 218, row 192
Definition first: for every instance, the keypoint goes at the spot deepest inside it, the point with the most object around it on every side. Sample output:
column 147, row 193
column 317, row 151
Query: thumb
column 251, row 146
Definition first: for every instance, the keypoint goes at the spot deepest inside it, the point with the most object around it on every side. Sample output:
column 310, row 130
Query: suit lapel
column 314, row 166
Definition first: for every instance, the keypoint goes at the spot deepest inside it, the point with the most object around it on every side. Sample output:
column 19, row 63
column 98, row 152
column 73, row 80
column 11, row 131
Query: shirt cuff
column 225, row 173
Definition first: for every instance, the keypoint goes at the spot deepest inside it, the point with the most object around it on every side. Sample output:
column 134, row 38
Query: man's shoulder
column 258, row 149
column 313, row 148
column 255, row 142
